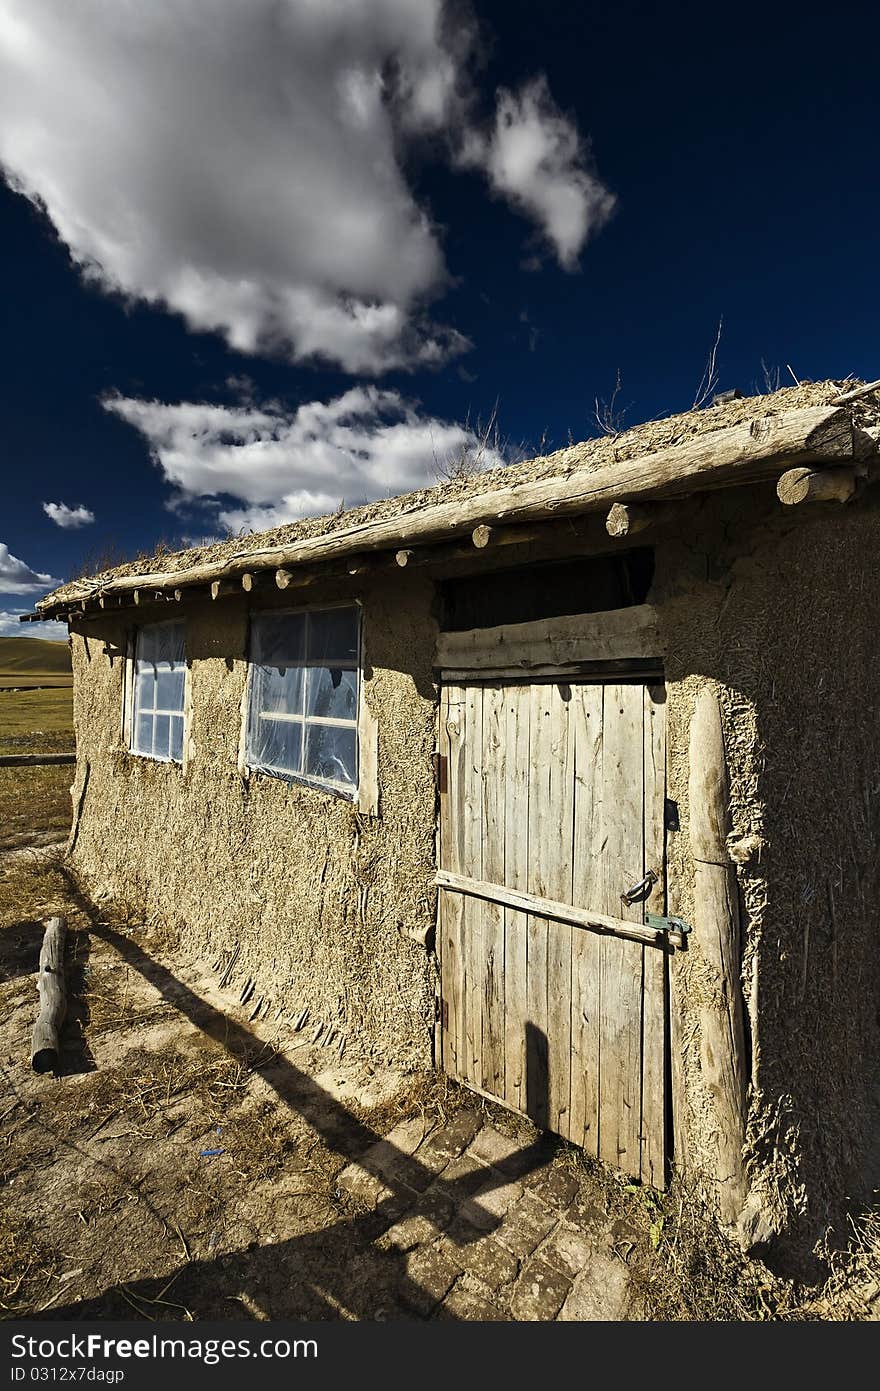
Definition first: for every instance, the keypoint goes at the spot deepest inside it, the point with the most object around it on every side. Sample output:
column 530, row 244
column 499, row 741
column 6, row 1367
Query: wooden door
column 556, row 792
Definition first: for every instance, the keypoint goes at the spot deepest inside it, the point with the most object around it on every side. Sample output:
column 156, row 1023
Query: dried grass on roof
column 589, row 455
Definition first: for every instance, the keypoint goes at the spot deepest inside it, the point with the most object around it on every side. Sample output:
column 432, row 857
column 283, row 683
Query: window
column 157, row 699
column 303, row 701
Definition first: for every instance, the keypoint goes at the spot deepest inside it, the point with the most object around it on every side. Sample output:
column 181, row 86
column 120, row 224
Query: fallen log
column 53, row 998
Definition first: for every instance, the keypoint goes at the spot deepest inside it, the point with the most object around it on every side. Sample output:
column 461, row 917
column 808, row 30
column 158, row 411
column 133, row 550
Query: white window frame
column 365, row 793
column 129, row 695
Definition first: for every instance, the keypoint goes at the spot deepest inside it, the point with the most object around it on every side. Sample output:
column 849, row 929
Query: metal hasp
column 671, row 925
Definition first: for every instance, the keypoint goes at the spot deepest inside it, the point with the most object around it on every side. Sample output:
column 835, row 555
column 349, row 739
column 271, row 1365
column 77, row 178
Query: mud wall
column 779, row 609
column 319, row 899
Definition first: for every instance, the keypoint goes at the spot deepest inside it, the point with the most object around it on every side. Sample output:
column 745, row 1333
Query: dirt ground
column 185, row 1162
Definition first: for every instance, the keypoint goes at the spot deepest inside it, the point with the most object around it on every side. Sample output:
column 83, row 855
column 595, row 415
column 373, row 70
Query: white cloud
column 18, row 578
column 243, row 162
column 68, row 517
column 366, row 444
column 10, row 627
column 535, row 157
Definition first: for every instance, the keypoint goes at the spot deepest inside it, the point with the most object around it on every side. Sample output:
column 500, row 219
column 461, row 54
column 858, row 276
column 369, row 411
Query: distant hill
column 24, row 655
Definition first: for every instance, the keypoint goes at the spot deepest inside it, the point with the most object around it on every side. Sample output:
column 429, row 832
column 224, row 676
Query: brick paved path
column 488, row 1228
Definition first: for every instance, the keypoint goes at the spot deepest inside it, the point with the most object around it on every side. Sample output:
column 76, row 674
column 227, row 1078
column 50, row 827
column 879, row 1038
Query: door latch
column 670, row 924
column 640, row 891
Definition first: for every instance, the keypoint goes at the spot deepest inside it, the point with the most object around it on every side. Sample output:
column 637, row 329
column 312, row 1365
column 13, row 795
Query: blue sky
column 260, row 256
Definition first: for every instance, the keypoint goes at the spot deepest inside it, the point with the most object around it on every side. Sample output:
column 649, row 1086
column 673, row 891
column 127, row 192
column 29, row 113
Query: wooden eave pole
column 746, row 453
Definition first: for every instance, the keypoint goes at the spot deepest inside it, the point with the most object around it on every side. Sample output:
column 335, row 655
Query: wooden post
column 625, row 519
column 717, row 935
column 283, row 578
column 53, row 999
column 403, row 558
column 807, row 485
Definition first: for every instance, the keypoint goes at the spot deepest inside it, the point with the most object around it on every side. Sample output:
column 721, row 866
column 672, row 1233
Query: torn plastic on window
column 303, row 701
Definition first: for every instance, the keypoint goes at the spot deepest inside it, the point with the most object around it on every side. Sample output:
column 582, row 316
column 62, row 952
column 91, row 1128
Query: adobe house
column 616, row 709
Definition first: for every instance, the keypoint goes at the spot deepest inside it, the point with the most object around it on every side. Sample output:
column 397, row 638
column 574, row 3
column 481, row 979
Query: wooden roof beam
column 816, row 485
column 757, row 449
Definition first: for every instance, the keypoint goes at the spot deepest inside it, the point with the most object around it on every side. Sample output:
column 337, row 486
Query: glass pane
column 279, row 640
column 161, row 736
column 177, row 738
column 144, row 688
column 331, row 754
column 143, row 734
column 161, row 642
column 146, row 647
column 332, row 692
column 168, row 643
column 277, row 690
column 275, row 744
column 333, row 636
column 169, row 688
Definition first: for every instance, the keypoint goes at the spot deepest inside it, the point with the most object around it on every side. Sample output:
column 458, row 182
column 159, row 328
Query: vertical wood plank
column 472, row 849
column 587, row 892
column 452, row 744
column 517, row 709
column 654, row 1009
column 557, row 876
column 494, row 761
column 540, row 829
column 621, row 973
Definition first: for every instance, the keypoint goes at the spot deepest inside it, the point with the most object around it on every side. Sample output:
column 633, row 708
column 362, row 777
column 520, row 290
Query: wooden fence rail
column 24, row 760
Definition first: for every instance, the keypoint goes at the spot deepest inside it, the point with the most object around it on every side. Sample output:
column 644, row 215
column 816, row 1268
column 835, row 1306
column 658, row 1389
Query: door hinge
column 441, row 764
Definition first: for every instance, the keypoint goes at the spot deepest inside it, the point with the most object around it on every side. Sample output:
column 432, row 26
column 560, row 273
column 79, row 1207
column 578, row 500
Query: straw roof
column 573, row 462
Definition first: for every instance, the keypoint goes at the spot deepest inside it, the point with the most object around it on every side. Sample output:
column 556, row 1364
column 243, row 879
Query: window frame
column 362, row 793
column 128, row 715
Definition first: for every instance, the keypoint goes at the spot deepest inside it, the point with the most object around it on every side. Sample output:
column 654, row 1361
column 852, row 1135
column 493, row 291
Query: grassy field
column 34, row 802
column 25, row 656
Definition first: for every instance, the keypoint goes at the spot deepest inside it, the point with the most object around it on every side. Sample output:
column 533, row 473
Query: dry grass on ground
column 112, row 1205
column 35, row 801
column 42, row 718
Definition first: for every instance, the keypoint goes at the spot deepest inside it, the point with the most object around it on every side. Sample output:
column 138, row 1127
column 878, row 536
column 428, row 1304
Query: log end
column 811, row 485
column 617, row 521
column 45, row 1060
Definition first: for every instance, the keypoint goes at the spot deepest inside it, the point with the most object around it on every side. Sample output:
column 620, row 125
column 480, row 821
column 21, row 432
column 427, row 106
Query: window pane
column 333, row 636
column 332, row 693
column 168, row 643
column 143, row 735
column 277, row 690
column 177, row 738
column 279, row 640
column 276, row 744
column 169, row 688
column 144, row 687
column 160, row 669
column 331, row 754
column 161, row 736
